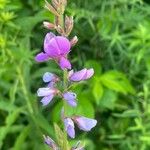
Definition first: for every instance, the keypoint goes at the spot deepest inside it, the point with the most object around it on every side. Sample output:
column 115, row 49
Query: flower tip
column 48, row 25
column 85, row 124
column 47, row 77
column 41, row 57
column 74, row 41
column 90, row 73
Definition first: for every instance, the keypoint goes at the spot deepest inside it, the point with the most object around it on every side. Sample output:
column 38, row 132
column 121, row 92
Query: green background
column 114, row 39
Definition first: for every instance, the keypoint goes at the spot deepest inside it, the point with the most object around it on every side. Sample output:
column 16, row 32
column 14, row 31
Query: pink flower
column 83, row 74
column 57, row 48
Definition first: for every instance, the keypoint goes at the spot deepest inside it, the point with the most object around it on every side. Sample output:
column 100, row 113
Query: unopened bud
column 74, row 40
column 68, row 24
column 51, row 8
column 55, row 3
column 60, row 30
column 48, row 25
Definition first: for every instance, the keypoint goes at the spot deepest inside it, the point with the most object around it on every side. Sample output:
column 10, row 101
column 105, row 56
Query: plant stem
column 24, row 89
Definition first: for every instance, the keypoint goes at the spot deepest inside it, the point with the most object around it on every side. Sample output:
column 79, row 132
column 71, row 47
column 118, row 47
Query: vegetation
column 114, row 39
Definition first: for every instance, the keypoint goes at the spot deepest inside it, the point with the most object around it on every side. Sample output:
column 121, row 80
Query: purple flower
column 57, row 48
column 70, row 97
column 50, row 142
column 50, row 78
column 85, row 124
column 83, row 74
column 47, row 94
column 69, row 127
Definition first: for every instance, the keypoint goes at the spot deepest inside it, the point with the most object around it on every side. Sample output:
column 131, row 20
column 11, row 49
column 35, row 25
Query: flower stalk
column 57, row 48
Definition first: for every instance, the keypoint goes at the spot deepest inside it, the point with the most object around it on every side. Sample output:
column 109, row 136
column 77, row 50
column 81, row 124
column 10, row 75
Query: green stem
column 24, row 90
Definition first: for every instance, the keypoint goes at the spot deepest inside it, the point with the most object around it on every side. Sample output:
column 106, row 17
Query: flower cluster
column 57, row 48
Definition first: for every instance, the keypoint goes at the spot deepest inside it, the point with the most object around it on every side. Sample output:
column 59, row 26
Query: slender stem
column 24, row 89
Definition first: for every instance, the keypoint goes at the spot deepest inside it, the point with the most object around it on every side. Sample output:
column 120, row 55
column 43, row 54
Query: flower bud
column 56, row 4
column 48, row 25
column 68, row 24
column 51, row 8
column 60, row 30
column 74, row 40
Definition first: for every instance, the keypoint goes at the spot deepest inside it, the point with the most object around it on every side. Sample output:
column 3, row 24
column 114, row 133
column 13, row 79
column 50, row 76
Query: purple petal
column 56, row 46
column 41, row 57
column 69, row 127
column 89, row 73
column 51, row 84
column 51, row 48
column 45, row 92
column 63, row 44
column 70, row 97
column 85, row 124
column 48, row 37
column 48, row 77
column 78, row 76
column 47, row 99
column 64, row 63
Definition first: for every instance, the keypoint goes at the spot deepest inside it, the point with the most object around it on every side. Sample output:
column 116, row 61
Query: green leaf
column 108, row 99
column 7, row 106
column 21, row 138
column 95, row 65
column 43, row 123
column 11, row 118
column 97, row 91
column 117, row 81
column 84, row 100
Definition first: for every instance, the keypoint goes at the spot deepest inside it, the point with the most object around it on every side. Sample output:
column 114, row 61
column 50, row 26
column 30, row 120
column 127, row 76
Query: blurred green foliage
column 114, row 39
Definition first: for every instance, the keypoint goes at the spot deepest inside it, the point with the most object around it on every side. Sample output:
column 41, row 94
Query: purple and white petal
column 48, row 77
column 45, row 91
column 64, row 63
column 70, row 97
column 47, row 99
column 69, row 127
column 41, row 57
column 78, row 76
column 85, row 124
column 48, row 37
column 89, row 73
